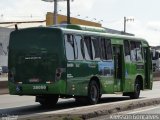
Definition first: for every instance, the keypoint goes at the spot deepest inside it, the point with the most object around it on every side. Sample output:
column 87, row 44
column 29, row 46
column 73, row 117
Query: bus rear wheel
column 136, row 93
column 93, row 93
column 47, row 101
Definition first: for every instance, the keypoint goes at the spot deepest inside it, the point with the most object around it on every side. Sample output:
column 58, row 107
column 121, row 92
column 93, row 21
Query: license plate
column 34, row 80
column 39, row 87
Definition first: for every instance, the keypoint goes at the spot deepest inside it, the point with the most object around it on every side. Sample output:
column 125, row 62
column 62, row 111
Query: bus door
column 148, row 67
column 118, row 67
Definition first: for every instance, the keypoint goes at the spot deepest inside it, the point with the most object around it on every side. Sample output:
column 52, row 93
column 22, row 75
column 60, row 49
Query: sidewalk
column 156, row 79
column 3, row 77
column 3, row 86
column 4, row 91
column 156, row 76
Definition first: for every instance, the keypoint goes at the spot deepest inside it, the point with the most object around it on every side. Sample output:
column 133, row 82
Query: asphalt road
column 25, row 105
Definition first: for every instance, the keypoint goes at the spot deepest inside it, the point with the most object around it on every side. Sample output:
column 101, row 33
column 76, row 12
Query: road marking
column 139, row 111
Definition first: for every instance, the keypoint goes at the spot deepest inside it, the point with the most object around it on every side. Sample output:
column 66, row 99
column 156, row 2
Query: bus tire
column 136, row 93
column 47, row 101
column 93, row 92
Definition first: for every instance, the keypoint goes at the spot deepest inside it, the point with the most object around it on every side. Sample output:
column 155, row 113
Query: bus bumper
column 58, row 87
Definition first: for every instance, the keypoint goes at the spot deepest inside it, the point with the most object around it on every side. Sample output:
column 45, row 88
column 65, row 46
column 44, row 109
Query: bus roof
column 81, row 27
column 72, row 27
column 97, row 31
column 114, row 36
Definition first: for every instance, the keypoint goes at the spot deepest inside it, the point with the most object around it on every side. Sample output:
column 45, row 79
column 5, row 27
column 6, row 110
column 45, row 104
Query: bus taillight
column 59, row 72
column 11, row 75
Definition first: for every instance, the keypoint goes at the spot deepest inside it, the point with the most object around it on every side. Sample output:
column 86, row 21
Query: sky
column 110, row 13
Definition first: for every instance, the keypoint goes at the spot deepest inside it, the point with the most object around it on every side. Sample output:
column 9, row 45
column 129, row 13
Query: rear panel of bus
column 36, row 62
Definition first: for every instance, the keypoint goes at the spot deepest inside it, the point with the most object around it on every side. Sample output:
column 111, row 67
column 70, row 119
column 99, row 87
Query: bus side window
column 127, row 51
column 69, row 45
column 108, row 49
column 80, row 48
column 133, row 51
column 96, row 48
column 87, row 48
column 139, row 51
column 103, row 49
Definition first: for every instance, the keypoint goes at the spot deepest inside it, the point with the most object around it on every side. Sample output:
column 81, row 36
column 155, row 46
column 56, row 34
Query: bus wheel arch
column 93, row 90
column 95, row 78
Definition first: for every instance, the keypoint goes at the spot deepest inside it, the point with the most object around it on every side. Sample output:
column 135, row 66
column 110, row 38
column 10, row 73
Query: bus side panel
column 107, row 85
column 106, row 72
column 79, row 73
column 130, row 76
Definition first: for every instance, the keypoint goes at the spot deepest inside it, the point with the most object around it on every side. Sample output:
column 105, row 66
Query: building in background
column 4, row 40
column 62, row 19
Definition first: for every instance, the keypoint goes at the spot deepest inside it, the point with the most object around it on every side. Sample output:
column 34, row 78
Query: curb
column 93, row 111
column 122, row 107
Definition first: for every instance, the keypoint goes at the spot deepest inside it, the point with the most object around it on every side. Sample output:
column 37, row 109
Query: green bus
column 75, row 61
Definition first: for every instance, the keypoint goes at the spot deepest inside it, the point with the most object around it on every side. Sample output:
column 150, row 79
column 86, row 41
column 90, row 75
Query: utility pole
column 68, row 12
column 124, row 24
column 55, row 9
column 125, row 21
column 55, row 12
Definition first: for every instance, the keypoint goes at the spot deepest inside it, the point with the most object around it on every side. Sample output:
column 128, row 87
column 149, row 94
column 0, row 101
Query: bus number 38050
column 39, row 87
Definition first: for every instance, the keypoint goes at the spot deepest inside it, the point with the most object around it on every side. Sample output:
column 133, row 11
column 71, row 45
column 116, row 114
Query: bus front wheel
column 136, row 93
column 93, row 92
